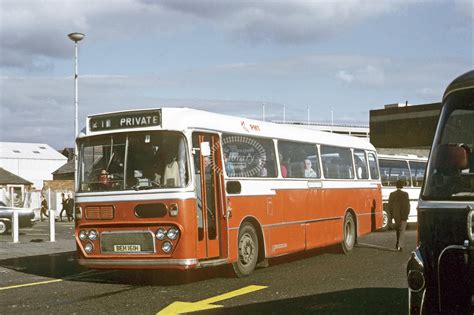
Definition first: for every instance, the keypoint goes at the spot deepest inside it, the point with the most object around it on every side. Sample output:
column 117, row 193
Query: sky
column 232, row 57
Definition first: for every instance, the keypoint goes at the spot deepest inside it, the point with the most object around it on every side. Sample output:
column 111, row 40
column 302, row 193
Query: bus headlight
column 172, row 233
column 416, row 280
column 93, row 235
column 82, row 235
column 161, row 234
column 415, row 272
column 89, row 248
column 166, row 247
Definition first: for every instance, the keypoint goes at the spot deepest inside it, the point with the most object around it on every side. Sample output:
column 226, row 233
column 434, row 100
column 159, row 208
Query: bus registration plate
column 127, row 248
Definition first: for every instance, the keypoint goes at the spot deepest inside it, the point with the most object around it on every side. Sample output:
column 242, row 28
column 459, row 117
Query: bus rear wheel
column 349, row 233
column 247, row 251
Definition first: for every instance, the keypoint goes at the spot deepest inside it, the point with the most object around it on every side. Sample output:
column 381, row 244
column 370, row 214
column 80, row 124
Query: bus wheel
column 248, row 251
column 349, row 230
column 3, row 227
column 385, row 221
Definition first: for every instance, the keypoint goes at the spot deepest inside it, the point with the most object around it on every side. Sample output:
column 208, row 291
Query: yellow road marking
column 29, row 284
column 74, row 277
column 187, row 307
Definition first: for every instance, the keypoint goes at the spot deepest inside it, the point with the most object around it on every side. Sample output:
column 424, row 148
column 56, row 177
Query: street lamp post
column 75, row 37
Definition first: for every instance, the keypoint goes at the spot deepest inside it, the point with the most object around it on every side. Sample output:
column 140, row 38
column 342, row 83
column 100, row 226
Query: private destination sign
column 138, row 119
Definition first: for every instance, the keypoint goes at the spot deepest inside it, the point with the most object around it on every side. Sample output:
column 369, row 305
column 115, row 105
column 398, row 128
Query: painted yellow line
column 81, row 275
column 188, row 307
column 229, row 295
column 30, row 284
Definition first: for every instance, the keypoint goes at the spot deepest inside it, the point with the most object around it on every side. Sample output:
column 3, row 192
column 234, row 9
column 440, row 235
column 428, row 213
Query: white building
column 32, row 161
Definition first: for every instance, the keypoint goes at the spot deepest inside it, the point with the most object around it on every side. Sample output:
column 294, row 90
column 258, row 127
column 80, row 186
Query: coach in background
column 399, row 207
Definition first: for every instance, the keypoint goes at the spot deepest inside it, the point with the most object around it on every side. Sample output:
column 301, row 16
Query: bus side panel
column 289, row 234
column 259, row 208
column 369, row 213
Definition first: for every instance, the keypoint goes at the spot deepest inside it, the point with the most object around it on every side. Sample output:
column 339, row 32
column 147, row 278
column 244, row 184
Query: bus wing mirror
column 205, row 149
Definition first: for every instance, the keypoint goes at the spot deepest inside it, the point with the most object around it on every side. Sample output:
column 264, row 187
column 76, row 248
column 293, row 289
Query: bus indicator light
column 173, row 210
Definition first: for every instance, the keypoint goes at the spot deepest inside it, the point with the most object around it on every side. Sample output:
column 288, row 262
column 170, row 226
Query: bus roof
column 463, row 82
column 184, row 118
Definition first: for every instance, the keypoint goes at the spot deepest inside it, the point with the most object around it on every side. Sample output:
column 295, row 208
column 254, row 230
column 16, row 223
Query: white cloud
column 33, row 33
column 345, row 76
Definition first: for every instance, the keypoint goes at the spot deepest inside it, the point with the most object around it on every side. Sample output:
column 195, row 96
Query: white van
column 409, row 168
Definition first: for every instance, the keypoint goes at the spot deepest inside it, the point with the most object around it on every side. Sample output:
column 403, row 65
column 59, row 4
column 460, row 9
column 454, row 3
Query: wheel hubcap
column 3, row 227
column 246, row 249
column 349, row 234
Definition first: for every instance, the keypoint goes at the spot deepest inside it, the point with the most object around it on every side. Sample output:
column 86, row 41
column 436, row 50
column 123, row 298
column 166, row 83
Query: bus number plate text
column 127, row 248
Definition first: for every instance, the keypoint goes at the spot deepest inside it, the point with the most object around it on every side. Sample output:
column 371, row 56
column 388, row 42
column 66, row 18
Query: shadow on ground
column 354, row 301
column 64, row 265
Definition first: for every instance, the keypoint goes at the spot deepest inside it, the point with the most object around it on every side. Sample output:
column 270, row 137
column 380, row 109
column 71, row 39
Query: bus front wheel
column 350, row 235
column 247, row 251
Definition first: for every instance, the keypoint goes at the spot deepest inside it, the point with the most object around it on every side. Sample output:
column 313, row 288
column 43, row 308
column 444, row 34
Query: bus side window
column 361, row 164
column 297, row 156
column 374, row 170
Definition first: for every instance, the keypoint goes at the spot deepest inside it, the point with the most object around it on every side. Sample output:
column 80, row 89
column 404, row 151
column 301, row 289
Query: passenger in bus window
column 308, row 169
column 171, row 175
column 399, row 207
column 283, row 169
column 263, row 169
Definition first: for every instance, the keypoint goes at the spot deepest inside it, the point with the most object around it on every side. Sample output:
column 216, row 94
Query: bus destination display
column 125, row 120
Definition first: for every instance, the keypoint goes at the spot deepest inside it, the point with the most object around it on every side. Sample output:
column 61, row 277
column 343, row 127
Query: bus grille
column 99, row 213
column 144, row 239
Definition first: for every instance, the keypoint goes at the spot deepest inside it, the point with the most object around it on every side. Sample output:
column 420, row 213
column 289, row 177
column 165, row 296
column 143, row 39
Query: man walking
column 399, row 207
column 63, row 206
column 44, row 208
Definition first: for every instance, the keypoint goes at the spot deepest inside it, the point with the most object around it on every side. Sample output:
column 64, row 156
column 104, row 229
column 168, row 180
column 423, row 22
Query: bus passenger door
column 208, row 194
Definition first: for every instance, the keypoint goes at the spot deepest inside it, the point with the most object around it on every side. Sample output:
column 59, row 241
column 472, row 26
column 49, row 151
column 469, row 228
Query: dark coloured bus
column 441, row 270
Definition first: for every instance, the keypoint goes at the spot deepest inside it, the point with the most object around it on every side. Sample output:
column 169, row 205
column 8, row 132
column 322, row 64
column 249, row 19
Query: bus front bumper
column 139, row 263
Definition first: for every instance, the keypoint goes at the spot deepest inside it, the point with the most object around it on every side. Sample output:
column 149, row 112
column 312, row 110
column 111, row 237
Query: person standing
column 63, row 207
column 308, row 169
column 69, row 208
column 44, row 208
column 399, row 207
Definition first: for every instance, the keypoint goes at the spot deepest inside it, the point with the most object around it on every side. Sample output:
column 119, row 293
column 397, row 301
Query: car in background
column 26, row 217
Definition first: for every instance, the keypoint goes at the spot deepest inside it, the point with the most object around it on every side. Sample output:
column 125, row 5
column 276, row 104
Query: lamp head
column 76, row 36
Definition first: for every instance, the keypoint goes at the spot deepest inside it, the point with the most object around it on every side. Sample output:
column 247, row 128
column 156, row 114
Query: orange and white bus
column 184, row 188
